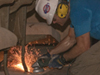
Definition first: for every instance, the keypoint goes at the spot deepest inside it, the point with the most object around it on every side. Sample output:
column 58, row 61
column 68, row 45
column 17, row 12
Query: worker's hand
column 57, row 62
column 44, row 60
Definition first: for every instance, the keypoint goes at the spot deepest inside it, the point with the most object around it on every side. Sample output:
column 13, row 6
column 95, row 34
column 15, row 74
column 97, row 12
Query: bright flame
column 19, row 66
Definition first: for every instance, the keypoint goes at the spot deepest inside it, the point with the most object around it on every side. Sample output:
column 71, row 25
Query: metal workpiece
column 35, row 64
column 37, row 68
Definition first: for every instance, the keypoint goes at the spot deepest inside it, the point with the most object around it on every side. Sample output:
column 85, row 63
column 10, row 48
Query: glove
column 44, row 60
column 57, row 62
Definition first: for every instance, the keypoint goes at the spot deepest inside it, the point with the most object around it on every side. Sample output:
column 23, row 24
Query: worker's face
column 61, row 21
column 58, row 20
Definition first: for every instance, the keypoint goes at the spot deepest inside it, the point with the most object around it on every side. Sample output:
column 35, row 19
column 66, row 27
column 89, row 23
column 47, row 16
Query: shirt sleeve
column 80, row 17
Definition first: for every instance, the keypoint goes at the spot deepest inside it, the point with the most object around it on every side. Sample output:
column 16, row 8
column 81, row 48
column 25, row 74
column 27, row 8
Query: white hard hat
column 46, row 9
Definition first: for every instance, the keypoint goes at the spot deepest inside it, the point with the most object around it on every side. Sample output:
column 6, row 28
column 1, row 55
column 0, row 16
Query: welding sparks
column 31, row 54
column 20, row 67
column 30, row 58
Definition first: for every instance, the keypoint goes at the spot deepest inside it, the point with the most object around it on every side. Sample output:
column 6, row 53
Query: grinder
column 37, row 68
column 41, row 62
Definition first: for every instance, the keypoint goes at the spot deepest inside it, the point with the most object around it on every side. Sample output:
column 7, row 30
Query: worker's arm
column 83, row 44
column 66, row 43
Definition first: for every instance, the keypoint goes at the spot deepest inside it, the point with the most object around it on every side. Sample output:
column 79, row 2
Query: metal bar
column 22, row 22
column 5, row 63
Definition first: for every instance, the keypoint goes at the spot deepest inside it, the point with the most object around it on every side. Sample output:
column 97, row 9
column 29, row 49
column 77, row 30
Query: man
column 85, row 23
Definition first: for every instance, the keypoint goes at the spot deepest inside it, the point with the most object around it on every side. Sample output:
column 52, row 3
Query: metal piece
column 5, row 63
column 35, row 64
column 22, row 22
column 38, row 69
